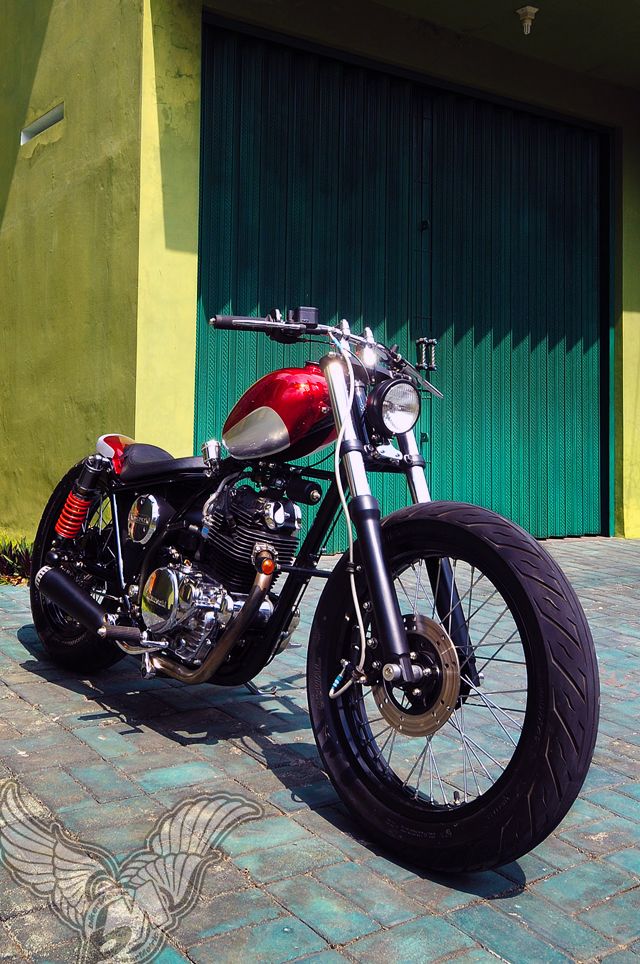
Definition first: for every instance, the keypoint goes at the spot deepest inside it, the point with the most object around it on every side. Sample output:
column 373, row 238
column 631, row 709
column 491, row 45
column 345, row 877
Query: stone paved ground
column 108, row 756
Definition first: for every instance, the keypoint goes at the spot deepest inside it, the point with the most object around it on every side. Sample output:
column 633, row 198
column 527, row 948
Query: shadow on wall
column 21, row 58
column 176, row 64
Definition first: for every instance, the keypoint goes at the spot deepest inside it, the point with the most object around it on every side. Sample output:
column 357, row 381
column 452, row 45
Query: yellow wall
column 628, row 354
column 168, row 252
column 68, row 241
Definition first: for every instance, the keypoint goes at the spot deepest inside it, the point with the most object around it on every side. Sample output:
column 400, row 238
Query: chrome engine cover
column 187, row 609
column 160, row 600
column 175, row 596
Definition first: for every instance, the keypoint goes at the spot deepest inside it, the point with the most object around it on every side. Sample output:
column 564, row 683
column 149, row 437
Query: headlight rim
column 375, row 402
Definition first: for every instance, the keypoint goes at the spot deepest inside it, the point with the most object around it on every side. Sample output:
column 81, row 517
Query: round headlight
column 394, row 407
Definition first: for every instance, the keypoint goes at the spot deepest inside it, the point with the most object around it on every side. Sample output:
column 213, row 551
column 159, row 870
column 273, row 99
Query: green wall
column 378, row 34
column 68, row 240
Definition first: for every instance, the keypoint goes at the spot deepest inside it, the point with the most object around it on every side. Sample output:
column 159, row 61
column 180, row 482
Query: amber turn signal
column 267, row 566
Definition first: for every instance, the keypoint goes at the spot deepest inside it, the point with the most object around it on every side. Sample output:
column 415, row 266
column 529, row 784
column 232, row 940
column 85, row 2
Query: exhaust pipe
column 232, row 634
column 59, row 588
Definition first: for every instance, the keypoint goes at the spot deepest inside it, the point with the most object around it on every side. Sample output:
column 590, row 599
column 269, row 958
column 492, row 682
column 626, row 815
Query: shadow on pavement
column 232, row 715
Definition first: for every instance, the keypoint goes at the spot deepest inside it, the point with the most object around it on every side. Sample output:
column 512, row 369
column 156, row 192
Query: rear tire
column 502, row 770
column 65, row 641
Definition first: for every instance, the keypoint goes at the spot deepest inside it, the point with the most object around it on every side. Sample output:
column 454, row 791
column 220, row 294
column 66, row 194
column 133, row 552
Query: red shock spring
column 73, row 514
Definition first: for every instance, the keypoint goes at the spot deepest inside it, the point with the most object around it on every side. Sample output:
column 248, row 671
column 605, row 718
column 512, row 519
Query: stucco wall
column 68, row 240
column 99, row 216
column 168, row 253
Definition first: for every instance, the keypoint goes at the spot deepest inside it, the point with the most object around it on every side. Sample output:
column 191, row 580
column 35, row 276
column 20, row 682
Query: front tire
column 501, row 766
column 65, row 640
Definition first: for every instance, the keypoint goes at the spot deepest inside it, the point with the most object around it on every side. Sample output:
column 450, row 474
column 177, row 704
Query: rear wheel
column 451, row 773
column 65, row 640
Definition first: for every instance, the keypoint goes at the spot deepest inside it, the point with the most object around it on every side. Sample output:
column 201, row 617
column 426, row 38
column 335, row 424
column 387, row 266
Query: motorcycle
column 452, row 679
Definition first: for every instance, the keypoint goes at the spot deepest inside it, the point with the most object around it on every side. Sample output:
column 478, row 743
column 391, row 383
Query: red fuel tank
column 286, row 413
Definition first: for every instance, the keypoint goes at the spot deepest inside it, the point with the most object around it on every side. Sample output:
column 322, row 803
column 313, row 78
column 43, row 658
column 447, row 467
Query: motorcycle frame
column 358, row 458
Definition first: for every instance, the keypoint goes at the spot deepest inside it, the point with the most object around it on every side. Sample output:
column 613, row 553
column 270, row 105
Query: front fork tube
column 365, row 514
column 441, row 577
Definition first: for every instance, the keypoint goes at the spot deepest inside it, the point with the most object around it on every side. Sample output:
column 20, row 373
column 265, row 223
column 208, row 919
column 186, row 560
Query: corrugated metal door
column 412, row 211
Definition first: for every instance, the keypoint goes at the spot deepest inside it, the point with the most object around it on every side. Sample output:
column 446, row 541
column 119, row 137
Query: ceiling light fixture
column 527, row 16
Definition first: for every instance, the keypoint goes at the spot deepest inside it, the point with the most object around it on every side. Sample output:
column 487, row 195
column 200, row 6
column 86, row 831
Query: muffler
column 59, row 588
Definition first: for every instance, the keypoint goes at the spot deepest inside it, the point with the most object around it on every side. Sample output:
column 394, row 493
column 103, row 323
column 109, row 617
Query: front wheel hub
column 422, row 709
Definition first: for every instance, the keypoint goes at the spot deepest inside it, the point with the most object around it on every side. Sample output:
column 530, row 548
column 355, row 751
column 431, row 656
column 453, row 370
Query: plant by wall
column 15, row 561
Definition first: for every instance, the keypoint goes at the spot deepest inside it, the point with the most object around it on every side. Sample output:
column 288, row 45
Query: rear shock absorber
column 76, row 507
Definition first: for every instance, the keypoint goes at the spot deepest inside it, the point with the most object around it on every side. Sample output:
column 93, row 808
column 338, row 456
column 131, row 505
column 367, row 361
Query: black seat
column 142, row 461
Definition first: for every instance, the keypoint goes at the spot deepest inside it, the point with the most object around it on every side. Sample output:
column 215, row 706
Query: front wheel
column 464, row 770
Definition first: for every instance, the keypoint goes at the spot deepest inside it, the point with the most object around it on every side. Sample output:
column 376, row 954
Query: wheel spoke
column 460, row 761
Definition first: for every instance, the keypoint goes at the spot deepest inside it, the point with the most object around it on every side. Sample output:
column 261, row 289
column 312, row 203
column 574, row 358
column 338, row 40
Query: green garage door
column 413, row 211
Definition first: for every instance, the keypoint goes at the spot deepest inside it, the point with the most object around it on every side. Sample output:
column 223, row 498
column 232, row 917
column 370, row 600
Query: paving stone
column 40, row 930
column 604, row 836
column 553, row 925
column 557, row 853
column 441, row 894
column 395, row 872
column 425, row 939
column 572, row 890
column 496, row 932
column 222, row 877
column 59, row 954
column 104, row 782
column 373, row 895
column 273, row 942
column 8, row 947
column 105, row 740
column 54, row 787
column 169, row 955
column 625, row 956
column 627, row 860
column 618, row 918
column 180, row 775
column 528, row 869
column 226, row 913
column 630, row 789
column 314, row 795
column 120, row 827
column 289, row 860
column 476, row 955
column 335, row 918
column 581, row 813
column 325, row 957
column 334, row 827
column 618, row 803
column 258, row 834
column 580, row 885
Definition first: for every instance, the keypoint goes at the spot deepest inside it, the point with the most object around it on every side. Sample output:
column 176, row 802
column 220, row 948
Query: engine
column 189, row 599
column 237, row 520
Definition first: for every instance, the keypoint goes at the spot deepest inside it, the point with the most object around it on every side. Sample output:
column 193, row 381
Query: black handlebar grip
column 239, row 323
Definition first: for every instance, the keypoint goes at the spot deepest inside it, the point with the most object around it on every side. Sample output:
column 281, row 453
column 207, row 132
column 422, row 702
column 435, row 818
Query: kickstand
column 256, row 691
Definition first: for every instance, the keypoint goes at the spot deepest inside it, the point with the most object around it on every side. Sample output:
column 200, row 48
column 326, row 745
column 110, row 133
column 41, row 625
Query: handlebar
column 267, row 325
column 290, row 330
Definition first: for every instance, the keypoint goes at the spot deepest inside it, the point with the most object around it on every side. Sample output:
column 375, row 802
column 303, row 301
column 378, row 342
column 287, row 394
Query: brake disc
column 426, row 713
